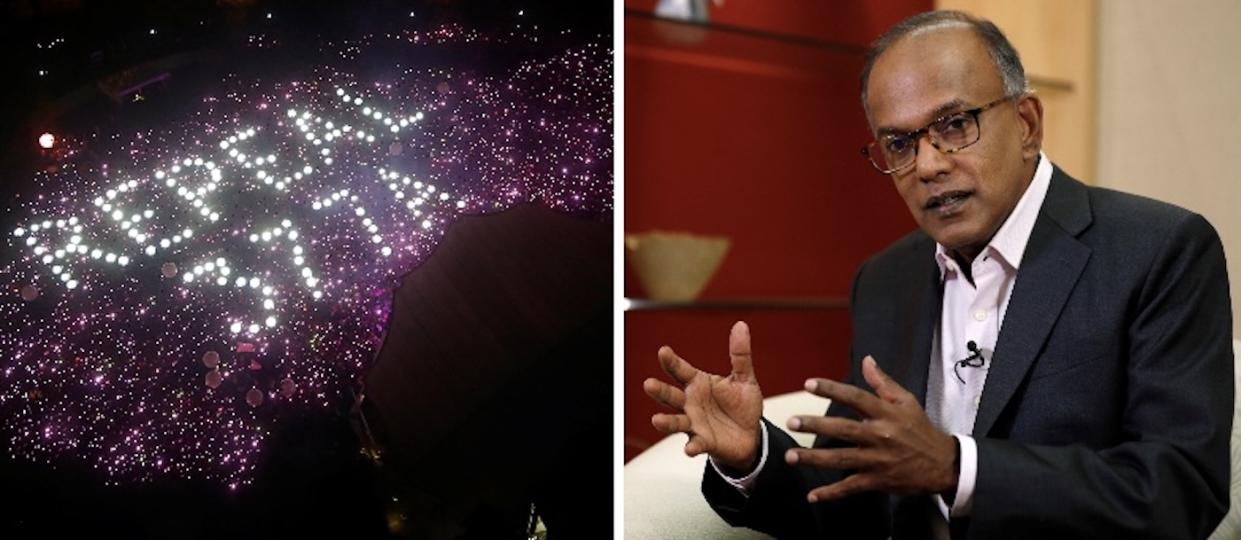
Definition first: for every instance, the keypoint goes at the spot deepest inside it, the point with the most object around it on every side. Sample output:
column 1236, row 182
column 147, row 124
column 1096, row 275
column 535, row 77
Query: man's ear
column 1030, row 110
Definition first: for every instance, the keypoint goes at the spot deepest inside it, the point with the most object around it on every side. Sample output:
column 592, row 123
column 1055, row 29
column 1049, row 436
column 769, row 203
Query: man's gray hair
column 1007, row 62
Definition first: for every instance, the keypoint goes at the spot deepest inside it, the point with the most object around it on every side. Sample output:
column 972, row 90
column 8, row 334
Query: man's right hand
column 721, row 415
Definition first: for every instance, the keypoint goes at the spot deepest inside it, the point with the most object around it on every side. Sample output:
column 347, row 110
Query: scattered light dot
column 497, row 139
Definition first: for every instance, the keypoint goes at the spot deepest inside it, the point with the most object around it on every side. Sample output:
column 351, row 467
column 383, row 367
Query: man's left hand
column 898, row 450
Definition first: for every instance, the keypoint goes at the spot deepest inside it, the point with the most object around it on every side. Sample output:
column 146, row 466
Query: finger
column 695, row 446
column 834, row 427
column 856, row 483
column 739, row 352
column 834, row 458
column 865, row 403
column 675, row 367
column 887, row 389
column 664, row 393
column 671, row 423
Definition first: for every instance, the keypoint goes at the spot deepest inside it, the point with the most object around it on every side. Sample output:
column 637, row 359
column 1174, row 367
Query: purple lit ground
column 168, row 295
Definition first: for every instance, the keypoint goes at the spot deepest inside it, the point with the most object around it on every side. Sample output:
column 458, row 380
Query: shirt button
column 980, row 315
column 977, row 401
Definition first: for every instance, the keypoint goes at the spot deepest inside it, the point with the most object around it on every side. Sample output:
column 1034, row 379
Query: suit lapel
column 1053, row 262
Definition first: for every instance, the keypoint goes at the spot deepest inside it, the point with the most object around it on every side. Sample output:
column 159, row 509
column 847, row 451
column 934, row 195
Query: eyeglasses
column 949, row 133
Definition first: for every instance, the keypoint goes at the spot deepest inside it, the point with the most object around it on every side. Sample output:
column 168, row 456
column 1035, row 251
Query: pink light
column 47, row 140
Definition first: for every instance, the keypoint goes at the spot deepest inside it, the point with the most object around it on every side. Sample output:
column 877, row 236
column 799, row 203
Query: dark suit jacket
column 1108, row 406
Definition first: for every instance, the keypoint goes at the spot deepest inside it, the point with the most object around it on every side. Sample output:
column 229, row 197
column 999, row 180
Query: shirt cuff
column 963, row 503
column 746, row 483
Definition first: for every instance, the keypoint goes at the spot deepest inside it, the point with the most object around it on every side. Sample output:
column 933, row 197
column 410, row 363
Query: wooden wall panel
column 1057, row 43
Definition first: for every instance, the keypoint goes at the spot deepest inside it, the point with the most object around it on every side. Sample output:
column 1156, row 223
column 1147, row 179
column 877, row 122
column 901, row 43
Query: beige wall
column 1169, row 110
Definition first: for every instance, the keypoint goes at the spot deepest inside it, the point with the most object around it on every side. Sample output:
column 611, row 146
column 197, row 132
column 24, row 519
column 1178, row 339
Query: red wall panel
column 757, row 140
column 749, row 127
column 854, row 22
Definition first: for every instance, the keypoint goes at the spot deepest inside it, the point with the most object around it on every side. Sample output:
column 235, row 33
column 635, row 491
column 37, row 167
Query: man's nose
column 930, row 163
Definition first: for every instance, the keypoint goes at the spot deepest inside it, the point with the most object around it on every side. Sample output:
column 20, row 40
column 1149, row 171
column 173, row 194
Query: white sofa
column 663, row 498
column 1230, row 527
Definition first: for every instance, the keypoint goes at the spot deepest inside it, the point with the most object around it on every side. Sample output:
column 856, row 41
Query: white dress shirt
column 975, row 312
column 970, row 312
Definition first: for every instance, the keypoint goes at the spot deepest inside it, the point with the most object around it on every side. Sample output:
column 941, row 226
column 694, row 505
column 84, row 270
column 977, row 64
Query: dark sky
column 59, row 50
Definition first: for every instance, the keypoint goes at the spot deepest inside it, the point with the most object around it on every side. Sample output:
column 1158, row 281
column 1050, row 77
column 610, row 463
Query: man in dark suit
column 1042, row 359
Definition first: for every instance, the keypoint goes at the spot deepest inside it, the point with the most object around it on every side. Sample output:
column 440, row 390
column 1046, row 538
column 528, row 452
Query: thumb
column 739, row 352
column 696, row 445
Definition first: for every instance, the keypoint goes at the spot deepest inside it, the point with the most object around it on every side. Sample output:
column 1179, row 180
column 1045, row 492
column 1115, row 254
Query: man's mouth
column 948, row 202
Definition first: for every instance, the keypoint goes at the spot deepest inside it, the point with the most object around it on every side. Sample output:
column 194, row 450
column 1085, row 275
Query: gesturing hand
column 898, row 450
column 720, row 414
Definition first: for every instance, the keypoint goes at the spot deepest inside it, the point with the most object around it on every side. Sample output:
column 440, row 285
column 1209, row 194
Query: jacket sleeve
column 777, row 504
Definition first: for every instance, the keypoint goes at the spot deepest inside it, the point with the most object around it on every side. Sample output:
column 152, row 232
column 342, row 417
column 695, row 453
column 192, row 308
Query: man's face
column 958, row 199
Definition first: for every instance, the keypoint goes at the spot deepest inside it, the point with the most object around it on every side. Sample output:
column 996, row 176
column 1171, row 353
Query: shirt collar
column 1009, row 242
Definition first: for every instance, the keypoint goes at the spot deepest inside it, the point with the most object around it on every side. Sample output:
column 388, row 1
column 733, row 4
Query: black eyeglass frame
column 916, row 135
